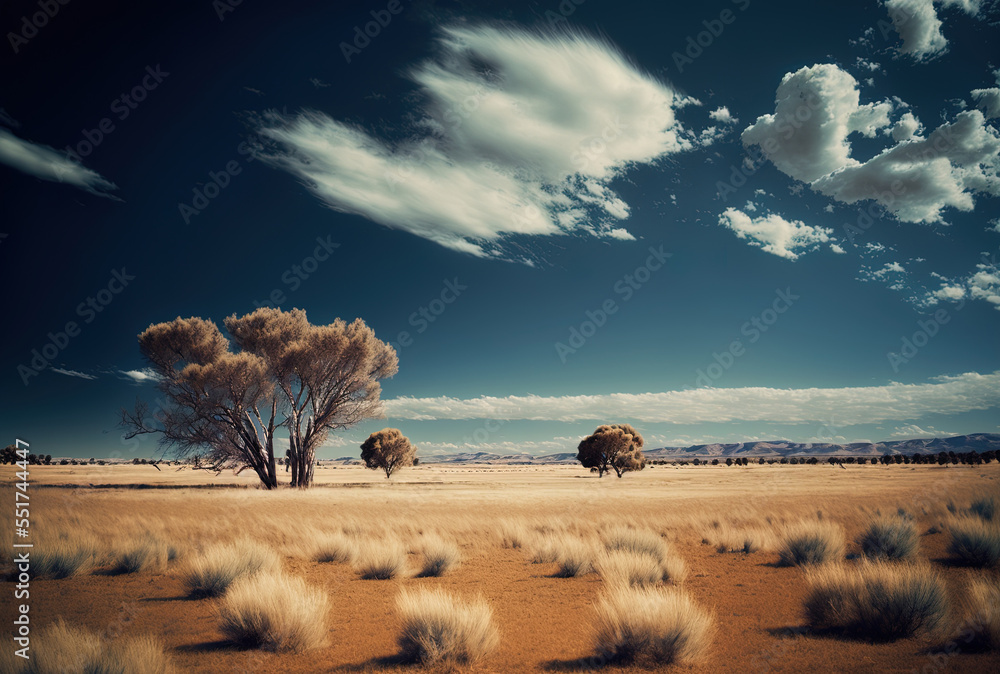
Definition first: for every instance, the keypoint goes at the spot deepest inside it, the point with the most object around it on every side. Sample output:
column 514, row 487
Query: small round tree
column 388, row 450
column 616, row 447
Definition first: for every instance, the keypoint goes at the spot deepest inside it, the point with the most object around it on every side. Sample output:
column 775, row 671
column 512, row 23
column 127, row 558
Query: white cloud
column 522, row 133
column 914, row 179
column 73, row 373
column 837, row 249
column 907, row 127
column 142, row 376
column 46, row 163
column 774, row 234
column 912, row 431
column 828, row 208
column 950, row 292
column 890, row 267
column 919, row 28
column 994, row 225
column 853, row 406
column 988, row 100
column 722, row 115
column 982, row 284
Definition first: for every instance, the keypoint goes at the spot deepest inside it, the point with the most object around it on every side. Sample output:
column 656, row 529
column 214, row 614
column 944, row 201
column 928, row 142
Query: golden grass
column 982, row 613
column 876, row 600
column 380, row 560
column 439, row 556
column 62, row 558
column 146, row 554
column 64, row 648
column 575, row 557
column 812, row 542
column 658, row 626
column 438, row 626
column 890, row 538
column 274, row 612
column 975, row 542
column 212, row 572
column 334, row 547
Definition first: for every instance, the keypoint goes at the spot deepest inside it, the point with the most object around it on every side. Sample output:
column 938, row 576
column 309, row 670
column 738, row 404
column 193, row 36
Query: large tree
column 388, row 450
column 229, row 398
column 616, row 447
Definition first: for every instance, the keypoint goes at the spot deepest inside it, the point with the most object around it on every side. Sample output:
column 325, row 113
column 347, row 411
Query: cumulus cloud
column 773, row 234
column 853, row 405
column 521, row 134
column 807, row 138
column 982, row 284
column 722, row 115
column 47, row 163
column 73, row 373
column 988, row 100
column 919, row 26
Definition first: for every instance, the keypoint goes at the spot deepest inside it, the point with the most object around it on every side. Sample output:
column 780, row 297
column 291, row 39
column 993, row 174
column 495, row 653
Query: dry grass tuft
column 211, row 573
column 543, row 549
column 380, row 560
column 576, row 558
column 624, row 568
column 334, row 548
column 648, row 624
column 62, row 648
column 440, row 627
column 644, row 542
column 975, row 542
column 876, row 600
column 274, row 612
column 811, row 542
column 982, row 614
column 440, row 556
column 514, row 534
column 147, row 554
column 890, row 538
column 62, row 559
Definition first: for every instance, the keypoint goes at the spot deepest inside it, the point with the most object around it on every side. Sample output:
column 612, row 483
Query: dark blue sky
column 367, row 155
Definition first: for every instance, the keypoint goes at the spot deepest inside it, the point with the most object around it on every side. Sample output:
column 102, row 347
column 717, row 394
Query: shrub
column 982, row 613
column 975, row 542
column 62, row 648
column 576, row 558
column 335, row 548
column 61, row 559
column 890, row 538
column 811, row 543
column 147, row 554
column 439, row 556
column 274, row 612
column 211, row 573
column 662, row 627
column 438, row 626
column 380, row 561
column 876, row 600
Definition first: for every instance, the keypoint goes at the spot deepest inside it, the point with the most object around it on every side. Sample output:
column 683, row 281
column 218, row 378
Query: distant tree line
column 941, row 459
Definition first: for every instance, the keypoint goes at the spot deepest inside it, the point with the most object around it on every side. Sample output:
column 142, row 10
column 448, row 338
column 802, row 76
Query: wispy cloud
column 142, row 376
column 774, row 234
column 47, row 163
column 854, row 405
column 521, row 134
column 73, row 373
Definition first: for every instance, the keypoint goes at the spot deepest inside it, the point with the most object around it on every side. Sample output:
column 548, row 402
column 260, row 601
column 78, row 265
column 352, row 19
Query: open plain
column 501, row 519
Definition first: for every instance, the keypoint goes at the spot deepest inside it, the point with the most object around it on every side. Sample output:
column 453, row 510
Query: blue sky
column 719, row 222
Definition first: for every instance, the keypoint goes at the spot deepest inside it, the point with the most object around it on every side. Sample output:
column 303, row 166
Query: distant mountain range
column 979, row 442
